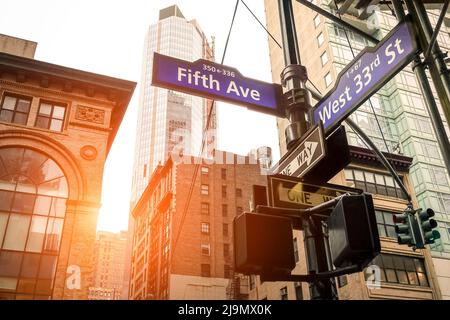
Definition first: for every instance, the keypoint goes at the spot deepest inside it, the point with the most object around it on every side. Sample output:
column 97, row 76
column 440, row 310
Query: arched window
column 33, row 194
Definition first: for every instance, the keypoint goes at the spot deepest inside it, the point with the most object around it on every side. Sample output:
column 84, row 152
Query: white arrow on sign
column 304, row 156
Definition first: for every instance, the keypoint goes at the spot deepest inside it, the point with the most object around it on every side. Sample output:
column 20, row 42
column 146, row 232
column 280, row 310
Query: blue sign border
column 277, row 111
column 404, row 62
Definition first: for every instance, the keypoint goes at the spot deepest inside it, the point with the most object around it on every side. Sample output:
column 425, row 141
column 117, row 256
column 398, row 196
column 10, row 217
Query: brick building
column 403, row 273
column 57, row 126
column 177, row 256
column 396, row 117
column 109, row 275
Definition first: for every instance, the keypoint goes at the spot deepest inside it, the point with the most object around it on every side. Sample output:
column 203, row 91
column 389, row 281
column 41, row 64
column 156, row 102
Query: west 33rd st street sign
column 365, row 75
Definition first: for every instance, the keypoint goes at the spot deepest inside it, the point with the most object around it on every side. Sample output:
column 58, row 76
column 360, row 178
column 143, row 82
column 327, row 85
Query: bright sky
column 107, row 36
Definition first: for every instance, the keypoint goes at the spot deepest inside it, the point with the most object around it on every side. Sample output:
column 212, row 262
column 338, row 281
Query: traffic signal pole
column 297, row 100
column 438, row 69
column 436, row 120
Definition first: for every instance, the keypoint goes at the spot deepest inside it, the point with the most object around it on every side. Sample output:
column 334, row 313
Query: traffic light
column 263, row 244
column 404, row 227
column 427, row 225
column 353, row 232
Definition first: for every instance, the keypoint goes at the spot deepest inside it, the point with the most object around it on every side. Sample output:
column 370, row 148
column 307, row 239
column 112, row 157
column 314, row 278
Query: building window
column 206, row 249
column 224, row 210
column 205, row 270
column 239, row 210
column 320, row 39
column 224, row 191
column 386, row 225
column 296, row 251
column 51, row 116
column 375, row 183
column 324, row 58
column 205, row 171
column 342, row 281
column 239, row 193
column 328, row 79
column 402, row 270
column 205, row 208
column 226, row 250
column 204, row 189
column 317, row 20
column 298, row 291
column 223, row 173
column 252, row 282
column 33, row 195
column 205, row 227
column 225, row 229
column 227, row 271
column 15, row 109
column 284, row 293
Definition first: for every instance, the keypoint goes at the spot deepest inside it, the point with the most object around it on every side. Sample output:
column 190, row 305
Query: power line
column 262, row 25
column 204, row 138
column 273, row 38
column 370, row 101
column 229, row 32
column 314, row 86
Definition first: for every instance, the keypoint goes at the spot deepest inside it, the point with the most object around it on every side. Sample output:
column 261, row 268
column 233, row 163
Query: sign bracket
column 313, row 276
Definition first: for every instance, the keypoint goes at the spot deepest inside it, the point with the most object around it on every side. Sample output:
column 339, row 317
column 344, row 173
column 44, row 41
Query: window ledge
column 22, row 126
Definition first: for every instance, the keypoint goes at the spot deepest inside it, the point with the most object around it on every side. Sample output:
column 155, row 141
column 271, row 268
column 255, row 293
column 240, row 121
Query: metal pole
column 297, row 100
column 398, row 9
column 436, row 120
column 437, row 29
column 288, row 33
column 380, row 155
column 319, row 289
column 438, row 68
column 293, row 78
column 433, row 110
column 335, row 19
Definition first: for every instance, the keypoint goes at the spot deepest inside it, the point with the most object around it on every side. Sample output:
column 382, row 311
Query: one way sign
column 308, row 152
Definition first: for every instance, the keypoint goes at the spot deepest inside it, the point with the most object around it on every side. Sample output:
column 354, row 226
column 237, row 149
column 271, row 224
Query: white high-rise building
column 166, row 118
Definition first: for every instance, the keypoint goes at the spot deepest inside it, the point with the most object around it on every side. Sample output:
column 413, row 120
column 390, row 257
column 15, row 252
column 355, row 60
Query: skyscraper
column 168, row 119
column 396, row 118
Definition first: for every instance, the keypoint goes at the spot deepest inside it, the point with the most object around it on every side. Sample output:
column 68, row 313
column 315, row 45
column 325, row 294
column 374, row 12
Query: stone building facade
column 57, row 126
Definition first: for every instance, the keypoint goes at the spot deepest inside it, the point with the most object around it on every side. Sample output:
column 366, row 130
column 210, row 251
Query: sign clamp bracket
column 300, row 213
column 313, row 276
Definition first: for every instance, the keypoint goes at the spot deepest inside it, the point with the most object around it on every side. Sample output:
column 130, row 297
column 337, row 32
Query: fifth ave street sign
column 216, row 81
column 308, row 152
column 366, row 74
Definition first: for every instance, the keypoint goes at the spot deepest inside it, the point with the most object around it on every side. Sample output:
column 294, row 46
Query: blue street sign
column 216, row 81
column 366, row 74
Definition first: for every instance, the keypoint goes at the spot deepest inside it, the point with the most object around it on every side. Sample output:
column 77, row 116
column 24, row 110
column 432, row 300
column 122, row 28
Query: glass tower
column 405, row 122
column 168, row 120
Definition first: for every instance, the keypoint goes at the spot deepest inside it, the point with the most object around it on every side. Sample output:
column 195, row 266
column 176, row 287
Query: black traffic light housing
column 427, row 225
column 405, row 229
column 353, row 232
column 263, row 244
column 416, row 231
